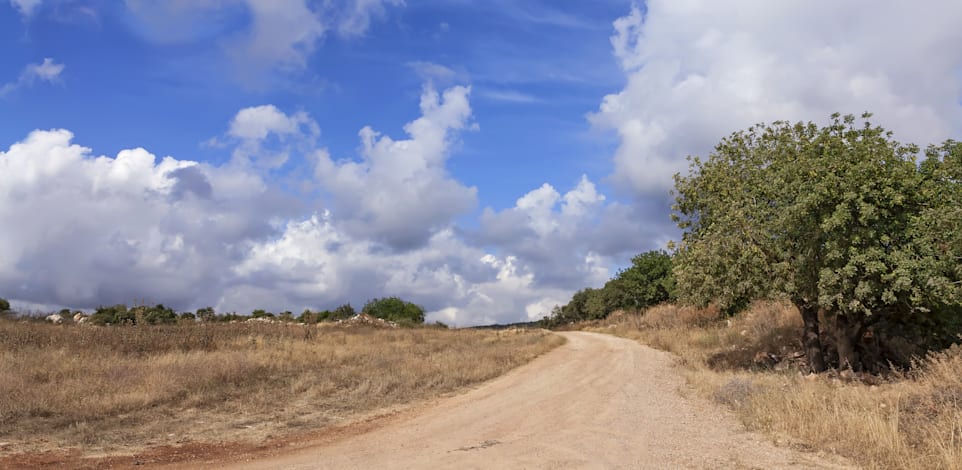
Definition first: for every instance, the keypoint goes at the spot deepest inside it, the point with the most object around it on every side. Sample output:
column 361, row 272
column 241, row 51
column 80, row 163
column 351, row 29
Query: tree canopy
column 838, row 219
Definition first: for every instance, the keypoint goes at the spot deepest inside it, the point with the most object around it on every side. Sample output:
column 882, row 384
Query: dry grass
column 910, row 421
column 125, row 388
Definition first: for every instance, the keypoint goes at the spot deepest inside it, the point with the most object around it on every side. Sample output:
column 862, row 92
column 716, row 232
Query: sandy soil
column 596, row 402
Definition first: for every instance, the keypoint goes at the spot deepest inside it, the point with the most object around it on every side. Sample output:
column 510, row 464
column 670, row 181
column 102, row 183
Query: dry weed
column 911, row 422
column 129, row 387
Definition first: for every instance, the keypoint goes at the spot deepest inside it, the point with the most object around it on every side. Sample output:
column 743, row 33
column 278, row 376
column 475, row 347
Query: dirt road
column 596, row 402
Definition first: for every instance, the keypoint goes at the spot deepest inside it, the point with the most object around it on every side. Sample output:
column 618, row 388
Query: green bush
column 206, row 314
column 4, row 305
column 394, row 309
column 649, row 281
column 157, row 314
column 261, row 313
column 343, row 312
column 113, row 315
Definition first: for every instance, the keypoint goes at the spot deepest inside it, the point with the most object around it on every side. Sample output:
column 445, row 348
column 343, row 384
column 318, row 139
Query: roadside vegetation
column 817, row 290
column 754, row 363
column 129, row 386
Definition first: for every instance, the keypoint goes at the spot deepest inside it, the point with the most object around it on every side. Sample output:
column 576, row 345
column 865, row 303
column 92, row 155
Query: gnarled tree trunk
column 848, row 332
column 810, row 336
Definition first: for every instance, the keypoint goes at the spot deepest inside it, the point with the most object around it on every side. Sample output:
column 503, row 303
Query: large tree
column 832, row 218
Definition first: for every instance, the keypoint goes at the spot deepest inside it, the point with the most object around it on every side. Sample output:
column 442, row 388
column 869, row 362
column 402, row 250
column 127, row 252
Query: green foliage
column 114, row 315
column 837, row 219
column 4, row 305
column 343, row 312
column 122, row 315
column 261, row 313
column 206, row 314
column 156, row 314
column 649, row 281
column 394, row 309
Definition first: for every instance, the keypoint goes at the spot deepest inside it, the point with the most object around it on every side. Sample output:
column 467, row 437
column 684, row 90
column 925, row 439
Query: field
column 907, row 420
column 103, row 390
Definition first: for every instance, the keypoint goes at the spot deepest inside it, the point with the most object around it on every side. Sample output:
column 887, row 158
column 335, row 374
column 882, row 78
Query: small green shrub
column 396, row 310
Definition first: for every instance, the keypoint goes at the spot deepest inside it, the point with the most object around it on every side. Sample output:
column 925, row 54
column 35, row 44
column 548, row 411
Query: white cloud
column 358, row 14
column 279, row 37
column 180, row 21
column 557, row 235
column 252, row 130
column 437, row 74
column 698, row 70
column 316, row 263
column 25, row 7
column 85, row 230
column 46, row 71
column 282, row 33
column 400, row 191
column 510, row 96
column 256, row 123
column 88, row 230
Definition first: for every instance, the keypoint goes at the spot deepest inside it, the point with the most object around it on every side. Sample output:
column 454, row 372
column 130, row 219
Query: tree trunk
column 810, row 336
column 847, row 334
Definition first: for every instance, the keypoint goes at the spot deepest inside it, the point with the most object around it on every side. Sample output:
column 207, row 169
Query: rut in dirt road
column 596, row 402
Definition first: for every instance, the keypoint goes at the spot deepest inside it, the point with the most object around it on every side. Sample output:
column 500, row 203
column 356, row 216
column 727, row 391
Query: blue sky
column 536, row 70
column 482, row 158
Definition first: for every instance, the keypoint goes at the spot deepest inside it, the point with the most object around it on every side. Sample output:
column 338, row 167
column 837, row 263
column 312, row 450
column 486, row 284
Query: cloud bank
column 698, row 70
column 92, row 230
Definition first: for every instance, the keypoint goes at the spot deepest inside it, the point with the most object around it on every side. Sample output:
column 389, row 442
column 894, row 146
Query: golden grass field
column 912, row 420
column 119, row 389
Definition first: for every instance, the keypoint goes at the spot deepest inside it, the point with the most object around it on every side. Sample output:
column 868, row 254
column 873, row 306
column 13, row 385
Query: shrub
column 4, row 305
column 113, row 315
column 206, row 314
column 394, row 309
column 261, row 313
column 342, row 312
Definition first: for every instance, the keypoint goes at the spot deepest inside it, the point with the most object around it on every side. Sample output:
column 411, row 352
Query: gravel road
column 596, row 402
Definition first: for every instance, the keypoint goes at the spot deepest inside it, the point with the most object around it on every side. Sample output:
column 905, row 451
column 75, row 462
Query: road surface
column 596, row 402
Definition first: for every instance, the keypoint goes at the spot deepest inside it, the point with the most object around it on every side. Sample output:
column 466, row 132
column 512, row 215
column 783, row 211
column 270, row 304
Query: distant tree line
column 392, row 309
column 648, row 281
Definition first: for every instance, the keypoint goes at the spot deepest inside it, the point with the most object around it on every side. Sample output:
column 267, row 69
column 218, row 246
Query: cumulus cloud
column 317, row 263
column 84, row 230
column 265, row 136
column 88, row 230
column 400, row 192
column 557, row 235
column 699, row 70
column 46, row 71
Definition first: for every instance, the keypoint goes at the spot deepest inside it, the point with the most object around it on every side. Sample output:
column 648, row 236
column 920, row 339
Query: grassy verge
column 913, row 420
column 125, row 388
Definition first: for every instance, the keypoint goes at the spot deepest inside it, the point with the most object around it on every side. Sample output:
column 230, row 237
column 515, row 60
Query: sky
column 482, row 158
